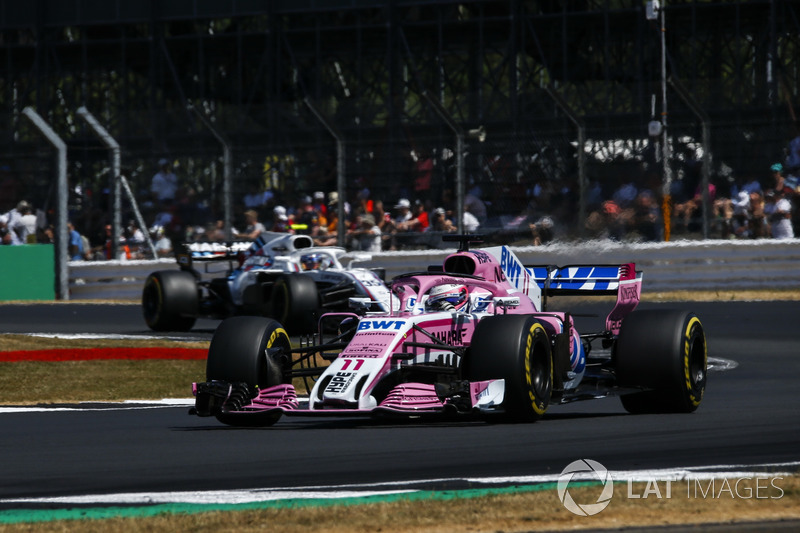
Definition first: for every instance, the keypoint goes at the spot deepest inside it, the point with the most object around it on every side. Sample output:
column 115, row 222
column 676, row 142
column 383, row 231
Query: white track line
column 381, row 489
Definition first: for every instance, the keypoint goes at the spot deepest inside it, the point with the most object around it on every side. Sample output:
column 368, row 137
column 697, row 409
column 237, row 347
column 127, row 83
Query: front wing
column 216, row 397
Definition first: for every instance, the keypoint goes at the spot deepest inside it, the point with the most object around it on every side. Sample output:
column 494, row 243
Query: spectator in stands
column 164, row 184
column 216, row 232
column 687, row 211
column 418, row 221
column 606, row 222
column 253, row 227
column 133, row 234
column 440, row 223
column 542, row 231
column 280, row 220
column 325, row 238
column 318, row 204
column 366, row 236
column 17, row 228
column 75, row 248
column 759, row 226
column 402, row 214
column 645, row 216
column 778, row 210
column 421, row 216
column 6, row 236
column 332, row 220
column 779, row 183
column 29, row 224
column 365, row 202
column 734, row 216
column 161, row 243
column 470, row 221
column 304, row 216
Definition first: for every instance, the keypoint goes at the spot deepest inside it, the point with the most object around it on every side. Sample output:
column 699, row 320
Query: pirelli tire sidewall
column 253, row 350
column 515, row 348
column 665, row 353
column 243, row 349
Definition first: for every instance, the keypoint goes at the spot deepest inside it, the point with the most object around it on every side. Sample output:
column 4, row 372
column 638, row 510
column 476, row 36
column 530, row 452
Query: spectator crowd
column 627, row 207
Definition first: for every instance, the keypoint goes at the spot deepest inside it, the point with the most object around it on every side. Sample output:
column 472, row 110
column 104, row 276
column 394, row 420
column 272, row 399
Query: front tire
column 665, row 352
column 170, row 300
column 515, row 348
column 253, row 350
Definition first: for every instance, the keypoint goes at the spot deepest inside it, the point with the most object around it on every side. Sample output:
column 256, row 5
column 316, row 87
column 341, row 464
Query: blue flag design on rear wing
column 623, row 280
column 577, row 279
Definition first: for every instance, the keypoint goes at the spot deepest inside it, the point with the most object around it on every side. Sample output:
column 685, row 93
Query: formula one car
column 469, row 338
column 278, row 275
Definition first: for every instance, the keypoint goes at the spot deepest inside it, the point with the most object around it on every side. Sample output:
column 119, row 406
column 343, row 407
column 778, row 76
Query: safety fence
column 714, row 265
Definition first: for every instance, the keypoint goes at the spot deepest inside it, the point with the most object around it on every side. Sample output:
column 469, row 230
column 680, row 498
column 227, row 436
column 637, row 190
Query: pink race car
column 468, row 338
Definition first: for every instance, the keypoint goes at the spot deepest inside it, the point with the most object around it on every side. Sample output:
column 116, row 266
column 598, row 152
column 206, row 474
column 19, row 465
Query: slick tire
column 515, row 348
column 665, row 353
column 170, row 300
column 295, row 303
column 253, row 350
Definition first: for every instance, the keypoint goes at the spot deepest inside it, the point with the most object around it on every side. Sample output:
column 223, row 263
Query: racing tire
column 241, row 350
column 170, row 300
column 515, row 348
column 295, row 303
column 665, row 352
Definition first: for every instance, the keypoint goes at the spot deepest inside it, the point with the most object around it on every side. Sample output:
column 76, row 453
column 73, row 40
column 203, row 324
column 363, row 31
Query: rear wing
column 622, row 280
column 205, row 252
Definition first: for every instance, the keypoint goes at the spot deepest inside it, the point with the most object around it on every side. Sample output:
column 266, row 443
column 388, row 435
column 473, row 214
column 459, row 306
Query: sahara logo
column 585, row 470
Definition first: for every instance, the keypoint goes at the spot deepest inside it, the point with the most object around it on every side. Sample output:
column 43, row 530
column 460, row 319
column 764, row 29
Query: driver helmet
column 310, row 261
column 448, row 297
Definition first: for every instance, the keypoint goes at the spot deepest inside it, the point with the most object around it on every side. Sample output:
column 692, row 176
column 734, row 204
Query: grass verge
column 513, row 510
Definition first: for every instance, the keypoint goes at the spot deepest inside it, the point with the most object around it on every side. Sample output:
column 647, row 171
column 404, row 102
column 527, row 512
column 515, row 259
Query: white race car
column 278, row 275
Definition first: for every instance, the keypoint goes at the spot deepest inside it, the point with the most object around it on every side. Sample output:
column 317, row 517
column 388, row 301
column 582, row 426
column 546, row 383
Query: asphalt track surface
column 750, row 416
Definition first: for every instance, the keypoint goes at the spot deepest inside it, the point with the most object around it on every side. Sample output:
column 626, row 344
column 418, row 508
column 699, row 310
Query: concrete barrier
column 680, row 265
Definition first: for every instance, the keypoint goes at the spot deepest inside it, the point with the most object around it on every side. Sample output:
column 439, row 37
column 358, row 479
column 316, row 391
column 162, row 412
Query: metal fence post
column 118, row 179
column 62, row 236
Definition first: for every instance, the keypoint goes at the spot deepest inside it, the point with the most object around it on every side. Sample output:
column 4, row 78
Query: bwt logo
column 511, row 267
column 380, row 324
column 585, row 469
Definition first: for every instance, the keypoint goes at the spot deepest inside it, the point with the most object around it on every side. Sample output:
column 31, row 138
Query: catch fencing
column 712, row 265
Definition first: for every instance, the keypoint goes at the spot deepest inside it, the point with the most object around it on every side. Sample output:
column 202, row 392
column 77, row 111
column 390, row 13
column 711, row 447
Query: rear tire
column 295, row 303
column 240, row 351
column 514, row 348
column 664, row 351
column 170, row 300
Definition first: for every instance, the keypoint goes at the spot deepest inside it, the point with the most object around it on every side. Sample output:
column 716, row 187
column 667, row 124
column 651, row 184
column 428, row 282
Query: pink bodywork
column 380, row 344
